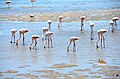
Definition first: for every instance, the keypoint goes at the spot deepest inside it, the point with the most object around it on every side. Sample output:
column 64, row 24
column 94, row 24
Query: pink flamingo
column 34, row 38
column 112, row 24
column 8, row 2
column 60, row 21
column 92, row 35
column 22, row 32
column 115, row 19
column 82, row 21
column 13, row 31
column 100, row 35
column 48, row 35
column 32, row 1
column 49, row 23
column 72, row 39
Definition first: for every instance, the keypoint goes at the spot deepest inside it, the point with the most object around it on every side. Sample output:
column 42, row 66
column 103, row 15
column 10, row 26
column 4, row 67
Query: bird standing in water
column 8, row 2
column 21, row 32
column 60, row 21
column 115, row 19
column 100, row 35
column 48, row 36
column 34, row 38
column 91, row 35
column 13, row 31
column 72, row 39
column 112, row 24
column 49, row 24
column 82, row 22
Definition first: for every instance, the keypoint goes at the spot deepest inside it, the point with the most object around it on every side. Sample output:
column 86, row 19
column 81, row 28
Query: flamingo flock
column 47, row 35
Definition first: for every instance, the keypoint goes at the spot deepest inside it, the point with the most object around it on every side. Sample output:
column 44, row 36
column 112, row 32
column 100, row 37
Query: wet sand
column 68, row 16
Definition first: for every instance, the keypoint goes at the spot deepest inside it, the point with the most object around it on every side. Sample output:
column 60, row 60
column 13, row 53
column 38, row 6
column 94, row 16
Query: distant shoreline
column 68, row 16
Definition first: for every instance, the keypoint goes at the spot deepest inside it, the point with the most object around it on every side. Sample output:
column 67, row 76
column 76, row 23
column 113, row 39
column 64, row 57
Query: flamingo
column 8, row 2
column 91, row 25
column 82, row 21
column 72, row 39
column 48, row 35
column 115, row 19
column 13, row 31
column 22, row 32
column 49, row 23
column 32, row 2
column 60, row 21
column 100, row 35
column 112, row 24
column 34, row 38
column 44, row 29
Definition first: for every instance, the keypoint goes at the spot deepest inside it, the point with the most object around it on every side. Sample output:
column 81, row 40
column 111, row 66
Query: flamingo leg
column 101, row 40
column 82, row 25
column 68, row 46
column 113, row 28
column 74, row 46
column 23, row 39
column 51, row 42
column 11, row 38
column 49, row 26
column 97, row 40
column 104, row 41
column 35, row 44
column 18, row 40
column 31, row 44
column 48, row 43
column 14, row 38
column 91, row 33
column 116, row 24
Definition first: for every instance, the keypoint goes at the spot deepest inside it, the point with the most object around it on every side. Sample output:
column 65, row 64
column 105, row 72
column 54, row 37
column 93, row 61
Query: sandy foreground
column 68, row 16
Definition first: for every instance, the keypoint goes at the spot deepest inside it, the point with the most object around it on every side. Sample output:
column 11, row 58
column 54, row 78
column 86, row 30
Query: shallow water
column 86, row 56
column 53, row 6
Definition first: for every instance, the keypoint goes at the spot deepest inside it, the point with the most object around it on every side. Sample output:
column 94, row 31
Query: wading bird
column 115, row 19
column 22, row 32
column 32, row 1
column 91, row 35
column 13, row 31
column 82, row 22
column 49, row 24
column 34, row 40
column 60, row 21
column 100, row 35
column 112, row 24
column 44, row 29
column 48, row 36
column 72, row 39
column 8, row 2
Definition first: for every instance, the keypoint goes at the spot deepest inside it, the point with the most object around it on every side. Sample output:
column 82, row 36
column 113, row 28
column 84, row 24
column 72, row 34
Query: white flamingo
column 92, row 35
column 112, row 24
column 44, row 29
column 49, row 24
column 22, row 32
column 72, row 39
column 34, row 39
column 8, row 2
column 100, row 35
column 60, row 21
column 48, row 36
column 32, row 1
column 115, row 19
column 82, row 22
column 13, row 31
